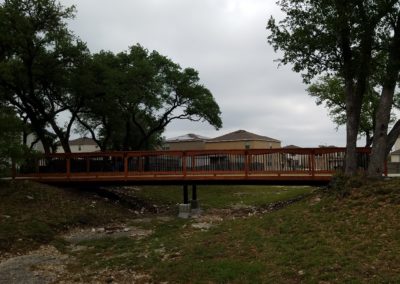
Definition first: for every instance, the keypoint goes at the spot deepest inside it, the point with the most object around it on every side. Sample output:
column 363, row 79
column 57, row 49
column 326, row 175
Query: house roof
column 190, row 137
column 242, row 135
column 291, row 147
column 397, row 152
column 82, row 141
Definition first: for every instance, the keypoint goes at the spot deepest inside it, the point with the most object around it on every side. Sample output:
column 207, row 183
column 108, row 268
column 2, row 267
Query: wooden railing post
column 184, row 168
column 246, row 163
column 125, row 165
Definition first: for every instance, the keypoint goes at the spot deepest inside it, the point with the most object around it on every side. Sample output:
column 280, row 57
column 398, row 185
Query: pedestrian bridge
column 275, row 166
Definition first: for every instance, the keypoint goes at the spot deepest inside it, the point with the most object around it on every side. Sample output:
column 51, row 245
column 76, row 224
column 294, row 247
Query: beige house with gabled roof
column 242, row 139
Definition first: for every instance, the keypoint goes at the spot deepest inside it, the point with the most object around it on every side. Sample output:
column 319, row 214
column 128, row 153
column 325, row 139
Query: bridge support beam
column 194, row 203
column 184, row 209
column 185, row 194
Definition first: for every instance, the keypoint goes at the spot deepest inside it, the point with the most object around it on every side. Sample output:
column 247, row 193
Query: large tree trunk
column 380, row 144
column 378, row 155
column 353, row 110
column 64, row 139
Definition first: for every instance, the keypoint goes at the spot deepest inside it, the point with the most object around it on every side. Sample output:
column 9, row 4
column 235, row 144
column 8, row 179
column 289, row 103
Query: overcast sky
column 226, row 41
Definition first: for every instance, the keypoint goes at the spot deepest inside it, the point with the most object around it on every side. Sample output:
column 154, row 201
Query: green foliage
column 329, row 90
column 135, row 94
column 10, row 139
column 314, row 36
column 356, row 41
column 38, row 55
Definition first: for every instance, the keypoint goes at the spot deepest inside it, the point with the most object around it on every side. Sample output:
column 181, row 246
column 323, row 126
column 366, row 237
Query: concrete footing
column 195, row 208
column 190, row 209
column 184, row 211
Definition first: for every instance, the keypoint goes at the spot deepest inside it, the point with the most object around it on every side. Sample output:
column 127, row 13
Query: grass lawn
column 33, row 214
column 223, row 196
column 320, row 239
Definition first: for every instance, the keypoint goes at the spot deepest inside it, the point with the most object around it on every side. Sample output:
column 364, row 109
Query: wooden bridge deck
column 304, row 165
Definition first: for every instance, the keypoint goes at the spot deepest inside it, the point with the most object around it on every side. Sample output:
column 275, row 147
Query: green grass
column 32, row 214
column 223, row 196
column 321, row 239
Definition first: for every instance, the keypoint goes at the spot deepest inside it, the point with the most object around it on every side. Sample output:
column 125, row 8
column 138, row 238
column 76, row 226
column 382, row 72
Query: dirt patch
column 148, row 219
column 44, row 265
column 213, row 217
column 111, row 231
column 127, row 197
column 109, row 276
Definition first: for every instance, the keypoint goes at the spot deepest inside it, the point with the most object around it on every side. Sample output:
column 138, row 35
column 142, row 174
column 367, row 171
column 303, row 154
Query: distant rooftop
column 187, row 137
column 83, row 141
column 397, row 152
column 242, row 135
column 291, row 147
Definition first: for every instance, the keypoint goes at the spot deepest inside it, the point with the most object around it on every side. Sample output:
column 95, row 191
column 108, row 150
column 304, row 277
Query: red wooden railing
column 252, row 164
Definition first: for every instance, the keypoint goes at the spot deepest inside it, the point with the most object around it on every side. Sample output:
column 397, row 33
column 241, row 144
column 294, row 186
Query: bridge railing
column 253, row 162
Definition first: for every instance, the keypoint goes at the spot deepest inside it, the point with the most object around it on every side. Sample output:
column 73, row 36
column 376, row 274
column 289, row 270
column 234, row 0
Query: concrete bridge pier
column 187, row 208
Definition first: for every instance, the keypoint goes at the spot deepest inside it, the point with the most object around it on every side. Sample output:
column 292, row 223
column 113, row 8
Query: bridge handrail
column 310, row 161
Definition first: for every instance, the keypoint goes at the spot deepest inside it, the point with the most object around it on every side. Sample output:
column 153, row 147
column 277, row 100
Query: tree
column 350, row 40
column 134, row 95
column 38, row 54
column 330, row 92
column 10, row 139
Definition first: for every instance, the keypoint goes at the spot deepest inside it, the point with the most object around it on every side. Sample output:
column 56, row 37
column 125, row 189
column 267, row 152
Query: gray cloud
column 226, row 41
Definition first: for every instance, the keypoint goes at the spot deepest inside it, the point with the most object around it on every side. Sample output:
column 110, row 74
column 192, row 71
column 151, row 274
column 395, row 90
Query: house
column 83, row 144
column 188, row 141
column 241, row 139
column 395, row 156
column 237, row 140
column 396, row 145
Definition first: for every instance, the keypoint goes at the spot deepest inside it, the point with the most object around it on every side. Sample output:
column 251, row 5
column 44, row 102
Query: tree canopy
column 135, row 94
column 53, row 82
column 329, row 91
column 38, row 55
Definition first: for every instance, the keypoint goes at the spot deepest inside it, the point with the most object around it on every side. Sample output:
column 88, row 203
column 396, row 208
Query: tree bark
column 353, row 121
column 379, row 148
